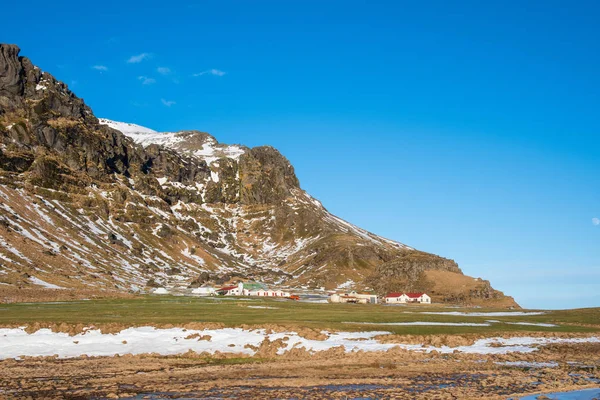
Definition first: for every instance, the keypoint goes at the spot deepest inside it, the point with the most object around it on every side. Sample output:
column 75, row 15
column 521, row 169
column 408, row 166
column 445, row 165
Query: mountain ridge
column 87, row 205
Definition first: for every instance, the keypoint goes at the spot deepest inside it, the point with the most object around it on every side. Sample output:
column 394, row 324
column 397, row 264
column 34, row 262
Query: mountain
column 94, row 203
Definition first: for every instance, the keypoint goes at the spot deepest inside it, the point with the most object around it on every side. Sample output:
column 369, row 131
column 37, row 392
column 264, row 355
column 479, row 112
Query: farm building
column 204, row 291
column 269, row 293
column 233, row 290
column 353, row 297
column 403, row 298
column 394, row 298
column 251, row 289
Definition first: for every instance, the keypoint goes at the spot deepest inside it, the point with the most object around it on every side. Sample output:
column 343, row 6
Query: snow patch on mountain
column 126, row 128
column 210, row 151
column 45, row 284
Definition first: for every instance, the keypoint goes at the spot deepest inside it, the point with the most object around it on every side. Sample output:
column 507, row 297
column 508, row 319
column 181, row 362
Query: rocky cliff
column 97, row 203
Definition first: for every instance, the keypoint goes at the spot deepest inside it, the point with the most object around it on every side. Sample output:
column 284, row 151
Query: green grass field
column 155, row 310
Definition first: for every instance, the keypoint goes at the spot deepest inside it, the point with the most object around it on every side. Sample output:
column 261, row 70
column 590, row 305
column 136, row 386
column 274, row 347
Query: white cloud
column 215, row 72
column 100, row 68
column 167, row 103
column 146, row 81
column 163, row 70
column 596, row 221
column 138, row 58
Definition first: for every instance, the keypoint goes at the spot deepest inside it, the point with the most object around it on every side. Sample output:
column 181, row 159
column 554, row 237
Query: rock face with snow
column 94, row 202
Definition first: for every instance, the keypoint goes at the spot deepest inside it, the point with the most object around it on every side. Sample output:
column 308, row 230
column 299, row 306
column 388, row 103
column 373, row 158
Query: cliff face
column 89, row 202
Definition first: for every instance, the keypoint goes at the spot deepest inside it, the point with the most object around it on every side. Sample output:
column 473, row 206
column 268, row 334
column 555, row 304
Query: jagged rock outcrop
column 11, row 71
column 407, row 270
column 266, row 177
column 97, row 203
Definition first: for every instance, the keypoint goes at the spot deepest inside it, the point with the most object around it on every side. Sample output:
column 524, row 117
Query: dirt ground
column 396, row 374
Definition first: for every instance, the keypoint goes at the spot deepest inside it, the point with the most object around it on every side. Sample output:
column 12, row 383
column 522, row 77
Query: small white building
column 418, row 298
column 353, row 297
column 204, row 291
column 403, row 298
column 269, row 293
column 395, row 298
column 233, row 290
column 251, row 289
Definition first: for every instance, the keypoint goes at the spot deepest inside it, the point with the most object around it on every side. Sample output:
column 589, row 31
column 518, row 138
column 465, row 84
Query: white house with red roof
column 403, row 298
column 233, row 290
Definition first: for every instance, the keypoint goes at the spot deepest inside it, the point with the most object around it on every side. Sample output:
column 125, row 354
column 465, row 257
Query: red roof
column 227, row 288
column 394, row 294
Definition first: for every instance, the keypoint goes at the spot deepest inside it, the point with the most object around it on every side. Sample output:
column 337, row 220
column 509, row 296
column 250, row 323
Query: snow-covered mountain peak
column 193, row 143
column 126, row 128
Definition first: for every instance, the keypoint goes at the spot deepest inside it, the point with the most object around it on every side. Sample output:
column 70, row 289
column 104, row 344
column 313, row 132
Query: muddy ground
column 396, row 374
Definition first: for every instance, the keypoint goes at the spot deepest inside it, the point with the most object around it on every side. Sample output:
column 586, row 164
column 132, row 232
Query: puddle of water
column 583, row 394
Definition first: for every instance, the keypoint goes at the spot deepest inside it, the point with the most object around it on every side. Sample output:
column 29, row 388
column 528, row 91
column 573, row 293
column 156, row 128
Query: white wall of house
column 204, row 291
column 268, row 293
column 369, row 298
column 397, row 300
column 424, row 298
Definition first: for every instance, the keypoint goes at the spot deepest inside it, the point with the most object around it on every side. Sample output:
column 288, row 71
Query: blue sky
column 470, row 130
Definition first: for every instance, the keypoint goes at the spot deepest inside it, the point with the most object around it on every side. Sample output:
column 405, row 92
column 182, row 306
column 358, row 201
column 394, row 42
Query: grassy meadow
column 164, row 310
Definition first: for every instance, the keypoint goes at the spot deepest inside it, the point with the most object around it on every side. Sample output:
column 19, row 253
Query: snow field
column 16, row 342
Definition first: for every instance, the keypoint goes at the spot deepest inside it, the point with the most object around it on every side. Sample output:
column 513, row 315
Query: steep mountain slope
column 110, row 205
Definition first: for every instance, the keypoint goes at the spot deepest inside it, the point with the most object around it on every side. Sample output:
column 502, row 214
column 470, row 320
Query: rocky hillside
column 93, row 203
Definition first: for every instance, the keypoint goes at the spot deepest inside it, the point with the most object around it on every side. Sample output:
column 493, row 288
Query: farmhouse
column 234, row 290
column 353, row 297
column 269, row 293
column 418, row 298
column 251, row 289
column 402, row 298
column 395, row 298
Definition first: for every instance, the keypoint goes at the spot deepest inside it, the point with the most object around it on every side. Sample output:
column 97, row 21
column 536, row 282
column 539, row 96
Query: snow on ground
column 346, row 285
column 420, row 323
column 188, row 253
column 142, row 135
column 14, row 251
column 126, row 128
column 316, row 301
column 363, row 233
column 483, row 314
column 211, row 150
column 528, row 364
column 532, row 324
column 16, row 342
column 40, row 282
column 431, row 323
